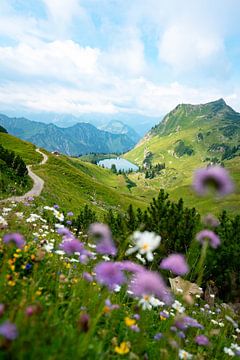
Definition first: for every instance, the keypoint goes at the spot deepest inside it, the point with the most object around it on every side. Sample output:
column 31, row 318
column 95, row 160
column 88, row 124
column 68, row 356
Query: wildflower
column 70, row 213
column 164, row 315
column 8, row 330
column 109, row 274
column 71, row 245
column 84, row 322
column 88, row 277
column 229, row 351
column 186, row 322
column 64, row 231
column 158, row 336
column 56, row 206
column 210, row 220
column 184, row 355
column 135, row 328
column 208, row 235
column 122, row 349
column 16, row 238
column 109, row 306
column 103, row 237
column 178, row 306
column 3, row 223
column 2, row 309
column 31, row 310
column 146, row 242
column 215, row 178
column 69, row 222
column 148, row 283
column 130, row 266
column 129, row 322
column 148, row 302
column 201, row 340
column 175, row 263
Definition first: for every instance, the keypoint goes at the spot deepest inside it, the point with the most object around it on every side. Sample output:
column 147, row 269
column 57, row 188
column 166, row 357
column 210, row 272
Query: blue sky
column 110, row 56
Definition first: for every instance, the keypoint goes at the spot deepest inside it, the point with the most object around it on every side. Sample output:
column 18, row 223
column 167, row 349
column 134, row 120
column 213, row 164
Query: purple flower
column 56, row 206
column 211, row 220
column 148, row 283
column 30, row 198
column 71, row 246
column 130, row 266
column 201, row 340
column 213, row 177
column 16, row 238
column 175, row 263
column 135, row 328
column 2, row 309
column 8, row 330
column 158, row 336
column 69, row 222
column 103, row 238
column 70, row 213
column 186, row 322
column 208, row 235
column 164, row 314
column 88, row 277
column 84, row 322
column 64, row 232
column 109, row 274
column 181, row 335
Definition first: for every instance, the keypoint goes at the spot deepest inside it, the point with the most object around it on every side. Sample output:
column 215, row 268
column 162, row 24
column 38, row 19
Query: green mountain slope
column 189, row 137
column 70, row 182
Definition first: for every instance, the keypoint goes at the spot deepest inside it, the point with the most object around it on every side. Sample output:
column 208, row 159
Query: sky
column 117, row 56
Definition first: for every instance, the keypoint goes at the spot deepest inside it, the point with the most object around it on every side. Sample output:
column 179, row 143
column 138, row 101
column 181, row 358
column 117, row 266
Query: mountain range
column 80, row 138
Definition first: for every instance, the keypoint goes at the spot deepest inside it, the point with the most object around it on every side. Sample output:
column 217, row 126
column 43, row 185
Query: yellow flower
column 162, row 318
column 122, row 349
column 38, row 292
column 129, row 321
column 16, row 255
column 18, row 250
column 12, row 267
column 11, row 283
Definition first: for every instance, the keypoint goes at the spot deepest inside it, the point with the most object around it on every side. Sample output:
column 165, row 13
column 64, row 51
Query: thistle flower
column 146, row 242
column 103, row 238
column 71, row 246
column 148, row 283
column 211, row 220
column 175, row 263
column 201, row 340
column 213, row 177
column 15, row 238
column 208, row 235
column 109, row 274
column 8, row 330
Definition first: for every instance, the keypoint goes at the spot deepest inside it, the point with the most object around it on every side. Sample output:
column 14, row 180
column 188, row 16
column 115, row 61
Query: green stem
column 201, row 263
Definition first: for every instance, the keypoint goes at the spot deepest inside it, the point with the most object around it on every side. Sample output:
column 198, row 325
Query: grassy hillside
column 22, row 148
column 188, row 138
column 72, row 182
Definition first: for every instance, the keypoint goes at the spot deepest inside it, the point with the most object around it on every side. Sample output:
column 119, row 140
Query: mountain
column 118, row 127
column 140, row 123
column 189, row 137
column 2, row 130
column 78, row 139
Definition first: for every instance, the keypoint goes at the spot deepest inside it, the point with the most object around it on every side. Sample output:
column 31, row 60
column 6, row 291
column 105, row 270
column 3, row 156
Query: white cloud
column 186, row 47
column 59, row 60
column 62, row 12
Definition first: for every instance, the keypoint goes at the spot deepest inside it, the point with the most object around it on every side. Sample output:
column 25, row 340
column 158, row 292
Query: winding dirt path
column 38, row 183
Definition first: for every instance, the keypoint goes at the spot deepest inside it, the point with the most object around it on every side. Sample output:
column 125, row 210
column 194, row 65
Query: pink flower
column 175, row 263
